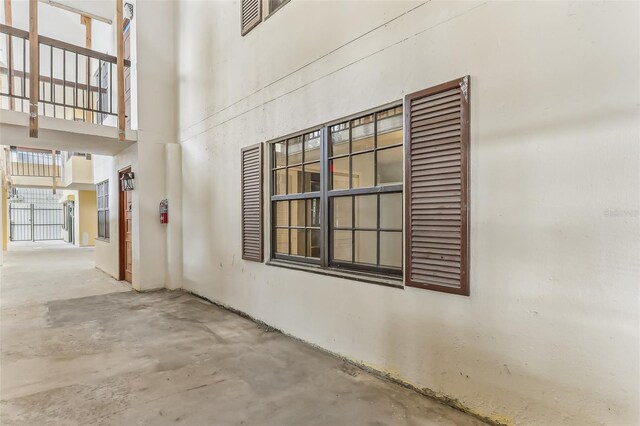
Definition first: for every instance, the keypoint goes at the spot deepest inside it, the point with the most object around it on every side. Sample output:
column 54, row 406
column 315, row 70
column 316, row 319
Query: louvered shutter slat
column 437, row 145
column 252, row 203
column 250, row 15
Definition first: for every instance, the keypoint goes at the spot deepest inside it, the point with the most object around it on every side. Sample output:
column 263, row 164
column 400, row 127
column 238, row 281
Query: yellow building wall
column 88, row 222
column 78, row 170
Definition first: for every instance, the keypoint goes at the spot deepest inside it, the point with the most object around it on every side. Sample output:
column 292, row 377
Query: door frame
column 122, row 249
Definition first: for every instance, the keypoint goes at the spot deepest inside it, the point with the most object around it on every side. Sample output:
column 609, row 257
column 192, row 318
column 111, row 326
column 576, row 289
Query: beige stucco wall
column 550, row 333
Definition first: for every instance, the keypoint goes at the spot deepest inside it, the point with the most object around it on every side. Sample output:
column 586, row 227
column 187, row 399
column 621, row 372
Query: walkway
column 79, row 348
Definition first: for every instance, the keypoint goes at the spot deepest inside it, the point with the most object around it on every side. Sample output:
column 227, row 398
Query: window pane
column 295, row 179
column 390, row 127
column 390, row 138
column 362, row 134
column 339, row 173
column 362, row 170
column 342, row 246
column 282, row 241
column 282, row 213
column 312, row 177
column 342, row 212
column 313, row 212
column 313, row 243
column 274, row 4
column 297, row 242
column 366, row 214
column 391, row 249
column 339, row 137
column 279, row 154
column 312, row 146
column 297, row 213
column 279, row 182
column 390, row 166
column 366, row 245
column 295, row 150
column 391, row 211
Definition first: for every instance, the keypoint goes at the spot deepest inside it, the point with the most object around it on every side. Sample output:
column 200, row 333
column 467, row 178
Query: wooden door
column 126, row 251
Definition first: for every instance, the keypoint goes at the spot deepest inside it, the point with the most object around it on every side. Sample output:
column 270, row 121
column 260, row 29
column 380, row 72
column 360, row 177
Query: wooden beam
column 34, row 67
column 120, row 66
column 7, row 13
column 8, row 20
column 86, row 21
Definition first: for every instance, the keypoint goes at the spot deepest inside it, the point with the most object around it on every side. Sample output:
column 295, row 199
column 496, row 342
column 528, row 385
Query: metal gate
column 21, row 223
column 39, row 220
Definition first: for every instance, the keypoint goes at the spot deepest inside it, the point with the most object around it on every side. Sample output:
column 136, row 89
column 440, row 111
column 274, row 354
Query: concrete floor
column 79, row 348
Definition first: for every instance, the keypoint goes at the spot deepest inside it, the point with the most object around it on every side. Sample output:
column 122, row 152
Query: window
column 296, row 197
column 102, row 193
column 337, row 194
column 276, row 4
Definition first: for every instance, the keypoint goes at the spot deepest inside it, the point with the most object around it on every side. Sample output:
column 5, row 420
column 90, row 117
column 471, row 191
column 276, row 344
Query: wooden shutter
column 252, row 203
column 436, row 185
column 250, row 15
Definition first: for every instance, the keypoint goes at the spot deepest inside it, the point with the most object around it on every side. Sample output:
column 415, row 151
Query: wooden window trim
column 260, row 150
column 464, row 84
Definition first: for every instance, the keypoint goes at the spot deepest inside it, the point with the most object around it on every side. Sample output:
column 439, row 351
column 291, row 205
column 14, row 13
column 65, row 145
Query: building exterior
column 291, row 140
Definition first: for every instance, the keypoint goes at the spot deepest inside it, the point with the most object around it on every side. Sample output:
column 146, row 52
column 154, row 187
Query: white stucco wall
column 550, row 333
column 154, row 101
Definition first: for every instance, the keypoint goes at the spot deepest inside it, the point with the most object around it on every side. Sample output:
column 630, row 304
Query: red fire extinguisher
column 164, row 211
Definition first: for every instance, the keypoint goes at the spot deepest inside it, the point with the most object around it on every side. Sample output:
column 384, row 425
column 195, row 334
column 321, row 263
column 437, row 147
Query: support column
column 8, row 20
column 174, row 227
column 120, row 66
column 34, row 69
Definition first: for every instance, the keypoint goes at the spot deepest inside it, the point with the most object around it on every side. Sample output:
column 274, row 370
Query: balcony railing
column 75, row 83
column 33, row 163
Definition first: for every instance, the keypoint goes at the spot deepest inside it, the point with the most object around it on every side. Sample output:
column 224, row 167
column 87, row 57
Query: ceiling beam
column 76, row 10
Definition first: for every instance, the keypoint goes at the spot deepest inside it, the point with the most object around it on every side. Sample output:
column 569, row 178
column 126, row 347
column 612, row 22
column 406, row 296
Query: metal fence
column 35, row 215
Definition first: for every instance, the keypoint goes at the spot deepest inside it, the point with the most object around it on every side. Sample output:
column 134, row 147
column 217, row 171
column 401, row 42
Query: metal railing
column 31, row 162
column 75, row 83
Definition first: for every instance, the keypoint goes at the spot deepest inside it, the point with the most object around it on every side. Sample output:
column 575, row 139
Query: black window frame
column 326, row 194
column 102, row 207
